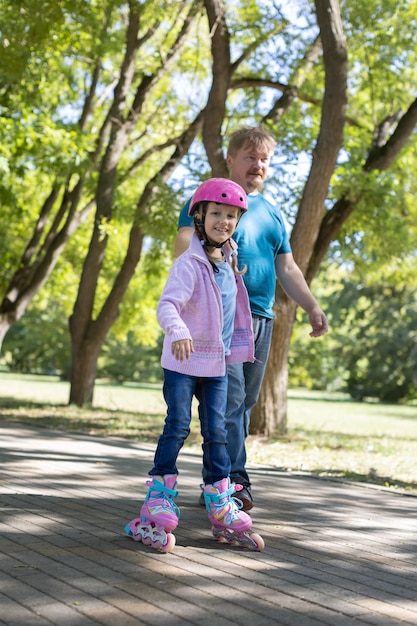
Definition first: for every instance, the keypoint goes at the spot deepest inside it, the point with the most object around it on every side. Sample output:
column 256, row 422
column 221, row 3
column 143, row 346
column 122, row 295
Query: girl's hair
column 199, row 228
column 235, row 267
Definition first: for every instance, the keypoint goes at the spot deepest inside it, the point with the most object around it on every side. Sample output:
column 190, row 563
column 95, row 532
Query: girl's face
column 221, row 221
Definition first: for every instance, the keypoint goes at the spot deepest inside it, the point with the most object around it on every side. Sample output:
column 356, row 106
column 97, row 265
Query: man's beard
column 252, row 185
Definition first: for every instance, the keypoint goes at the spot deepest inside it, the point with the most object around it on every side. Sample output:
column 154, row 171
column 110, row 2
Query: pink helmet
column 222, row 191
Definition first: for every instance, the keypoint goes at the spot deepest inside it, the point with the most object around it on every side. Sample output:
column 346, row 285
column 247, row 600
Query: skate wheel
column 169, row 546
column 217, row 535
column 257, row 539
column 145, row 540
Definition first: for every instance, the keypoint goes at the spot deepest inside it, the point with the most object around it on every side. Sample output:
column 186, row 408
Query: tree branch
column 216, row 103
column 330, row 136
column 381, row 157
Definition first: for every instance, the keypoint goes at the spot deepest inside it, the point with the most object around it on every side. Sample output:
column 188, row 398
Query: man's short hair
column 255, row 136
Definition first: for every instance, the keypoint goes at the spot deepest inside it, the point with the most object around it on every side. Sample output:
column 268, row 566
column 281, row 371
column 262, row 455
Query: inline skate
column 229, row 523
column 158, row 515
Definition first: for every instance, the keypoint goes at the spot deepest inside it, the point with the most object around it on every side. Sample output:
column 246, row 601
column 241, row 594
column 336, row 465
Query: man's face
column 249, row 167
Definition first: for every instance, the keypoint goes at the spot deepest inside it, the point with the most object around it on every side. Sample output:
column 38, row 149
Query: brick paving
column 335, row 553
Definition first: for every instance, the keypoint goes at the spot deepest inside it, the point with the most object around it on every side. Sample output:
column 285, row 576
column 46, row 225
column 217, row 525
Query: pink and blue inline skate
column 158, row 516
column 228, row 522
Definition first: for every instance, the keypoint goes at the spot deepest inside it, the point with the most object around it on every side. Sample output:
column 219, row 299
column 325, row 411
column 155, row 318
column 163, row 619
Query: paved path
column 335, row 553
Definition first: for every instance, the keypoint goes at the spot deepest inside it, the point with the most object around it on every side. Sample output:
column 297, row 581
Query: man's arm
column 295, row 286
column 182, row 240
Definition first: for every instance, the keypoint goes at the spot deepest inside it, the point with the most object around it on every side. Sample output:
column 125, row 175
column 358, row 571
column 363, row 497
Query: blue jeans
column 244, row 387
column 211, row 394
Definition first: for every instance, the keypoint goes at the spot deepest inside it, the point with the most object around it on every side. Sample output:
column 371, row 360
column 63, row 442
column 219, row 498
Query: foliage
column 31, row 345
column 130, row 360
column 381, row 351
column 381, row 81
column 48, row 69
column 371, row 350
column 39, row 342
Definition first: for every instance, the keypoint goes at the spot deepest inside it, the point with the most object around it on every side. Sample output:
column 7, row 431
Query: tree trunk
column 5, row 325
column 83, row 372
column 88, row 335
column 271, row 412
column 216, row 103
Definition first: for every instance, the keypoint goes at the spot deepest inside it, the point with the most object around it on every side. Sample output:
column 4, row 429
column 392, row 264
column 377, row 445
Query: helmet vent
column 221, row 191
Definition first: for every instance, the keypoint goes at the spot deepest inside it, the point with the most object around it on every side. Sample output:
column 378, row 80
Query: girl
column 204, row 312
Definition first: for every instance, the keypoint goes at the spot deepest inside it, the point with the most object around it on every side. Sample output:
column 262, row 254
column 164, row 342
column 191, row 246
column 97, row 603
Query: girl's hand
column 182, row 349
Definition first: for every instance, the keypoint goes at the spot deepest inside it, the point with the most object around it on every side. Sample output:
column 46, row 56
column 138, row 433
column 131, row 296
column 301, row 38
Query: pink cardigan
column 191, row 308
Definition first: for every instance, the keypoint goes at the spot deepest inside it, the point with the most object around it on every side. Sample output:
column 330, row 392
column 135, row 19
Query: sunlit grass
column 328, row 435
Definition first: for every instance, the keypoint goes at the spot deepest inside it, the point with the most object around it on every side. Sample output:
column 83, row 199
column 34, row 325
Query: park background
column 112, row 112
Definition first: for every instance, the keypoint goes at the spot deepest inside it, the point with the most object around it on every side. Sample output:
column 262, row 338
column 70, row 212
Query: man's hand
column 318, row 322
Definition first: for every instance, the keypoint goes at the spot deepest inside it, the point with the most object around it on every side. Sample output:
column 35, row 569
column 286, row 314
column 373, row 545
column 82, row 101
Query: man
column 265, row 249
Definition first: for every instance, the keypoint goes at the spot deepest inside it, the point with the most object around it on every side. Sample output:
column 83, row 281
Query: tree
column 372, row 349
column 381, row 354
column 135, row 89
column 89, row 328
column 271, row 408
column 388, row 140
column 88, row 331
column 50, row 111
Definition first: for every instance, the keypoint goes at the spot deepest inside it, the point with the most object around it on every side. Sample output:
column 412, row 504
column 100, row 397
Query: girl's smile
column 220, row 221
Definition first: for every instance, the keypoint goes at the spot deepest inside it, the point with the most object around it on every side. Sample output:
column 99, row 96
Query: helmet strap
column 207, row 242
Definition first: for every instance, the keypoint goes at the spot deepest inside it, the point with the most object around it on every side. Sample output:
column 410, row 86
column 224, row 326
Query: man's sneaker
column 201, row 500
column 243, row 494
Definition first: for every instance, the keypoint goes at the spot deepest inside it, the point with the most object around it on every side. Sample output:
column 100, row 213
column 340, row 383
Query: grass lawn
column 328, row 435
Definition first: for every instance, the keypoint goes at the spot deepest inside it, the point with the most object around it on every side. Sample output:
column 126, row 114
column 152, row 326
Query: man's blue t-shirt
column 261, row 236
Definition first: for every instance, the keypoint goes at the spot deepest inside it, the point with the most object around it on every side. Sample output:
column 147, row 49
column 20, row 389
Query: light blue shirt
column 225, row 279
